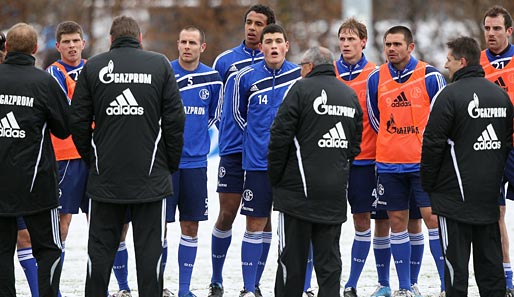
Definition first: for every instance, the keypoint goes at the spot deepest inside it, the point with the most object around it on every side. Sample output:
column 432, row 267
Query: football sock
column 186, row 261
column 360, row 250
column 120, row 267
column 266, row 243
column 437, row 253
column 29, row 264
column 308, row 271
column 251, row 251
column 417, row 245
column 220, row 243
column 382, row 251
column 400, row 249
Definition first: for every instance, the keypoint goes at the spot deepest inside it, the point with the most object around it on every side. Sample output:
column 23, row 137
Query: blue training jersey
column 258, row 93
column 434, row 82
column 228, row 64
column 500, row 61
column 73, row 72
column 200, row 90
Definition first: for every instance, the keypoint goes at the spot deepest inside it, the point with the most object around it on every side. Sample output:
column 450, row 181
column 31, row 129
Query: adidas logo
column 233, row 68
column 501, row 83
column 335, row 138
column 9, row 127
column 254, row 88
column 124, row 104
column 401, row 101
column 487, row 140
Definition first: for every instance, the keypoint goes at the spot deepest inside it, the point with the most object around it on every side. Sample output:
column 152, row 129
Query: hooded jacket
column 314, row 137
column 31, row 106
column 465, row 145
column 133, row 98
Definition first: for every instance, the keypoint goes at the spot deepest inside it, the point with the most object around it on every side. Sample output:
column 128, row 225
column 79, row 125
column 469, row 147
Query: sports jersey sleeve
column 58, row 106
column 282, row 134
column 372, row 100
column 435, row 140
column 173, row 120
column 434, row 81
column 215, row 104
column 81, row 117
column 240, row 100
column 59, row 77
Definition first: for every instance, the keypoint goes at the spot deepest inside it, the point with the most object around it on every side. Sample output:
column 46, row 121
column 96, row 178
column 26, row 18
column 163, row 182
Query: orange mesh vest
column 369, row 137
column 64, row 148
column 502, row 77
column 404, row 109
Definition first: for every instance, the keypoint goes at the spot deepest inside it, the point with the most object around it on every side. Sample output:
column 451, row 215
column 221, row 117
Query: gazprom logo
column 107, row 76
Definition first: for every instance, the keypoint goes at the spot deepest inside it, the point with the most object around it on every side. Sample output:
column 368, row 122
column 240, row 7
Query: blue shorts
column 257, row 196
column 21, row 223
column 189, row 194
column 72, row 186
column 394, row 191
column 231, row 174
column 361, row 188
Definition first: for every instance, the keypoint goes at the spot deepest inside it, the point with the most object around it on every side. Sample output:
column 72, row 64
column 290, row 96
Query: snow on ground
column 74, row 270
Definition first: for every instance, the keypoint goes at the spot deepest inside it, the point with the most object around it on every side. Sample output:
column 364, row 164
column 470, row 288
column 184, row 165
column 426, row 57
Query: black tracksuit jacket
column 32, row 105
column 133, row 99
column 314, row 137
column 465, row 145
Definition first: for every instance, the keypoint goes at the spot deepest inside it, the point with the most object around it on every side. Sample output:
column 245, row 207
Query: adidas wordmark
column 125, row 104
column 335, row 138
column 9, row 127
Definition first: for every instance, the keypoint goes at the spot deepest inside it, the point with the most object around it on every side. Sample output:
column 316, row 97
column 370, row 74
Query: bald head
column 21, row 38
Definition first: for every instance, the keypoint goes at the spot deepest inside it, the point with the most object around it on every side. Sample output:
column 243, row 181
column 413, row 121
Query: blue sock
column 400, row 249
column 360, row 250
column 164, row 257
column 437, row 253
column 186, row 261
column 62, row 262
column 308, row 271
column 251, row 250
column 266, row 243
column 508, row 275
column 29, row 265
column 417, row 246
column 120, row 267
column 220, row 243
column 382, row 251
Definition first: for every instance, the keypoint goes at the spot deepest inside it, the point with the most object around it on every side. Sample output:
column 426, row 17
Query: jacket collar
column 468, row 71
column 250, row 52
column 126, row 42
column 323, row 69
column 20, row 59
column 359, row 65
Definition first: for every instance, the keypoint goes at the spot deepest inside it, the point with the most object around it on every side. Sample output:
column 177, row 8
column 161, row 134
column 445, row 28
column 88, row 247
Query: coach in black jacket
column 465, row 145
column 135, row 145
column 31, row 106
column 315, row 135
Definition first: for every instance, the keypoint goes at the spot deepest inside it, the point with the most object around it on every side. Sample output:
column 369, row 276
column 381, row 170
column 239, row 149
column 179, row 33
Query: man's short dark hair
column 498, row 10
column 192, row 29
column 68, row 27
column 124, row 26
column 467, row 48
column 263, row 9
column 406, row 32
column 22, row 38
column 273, row 28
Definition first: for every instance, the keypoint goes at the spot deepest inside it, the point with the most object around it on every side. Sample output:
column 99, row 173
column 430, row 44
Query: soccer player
column 231, row 174
column 399, row 95
column 496, row 61
column 135, row 145
column 200, row 88
column 353, row 69
column 258, row 92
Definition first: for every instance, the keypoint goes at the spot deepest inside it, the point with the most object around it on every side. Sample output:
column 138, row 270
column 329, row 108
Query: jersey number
column 263, row 99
